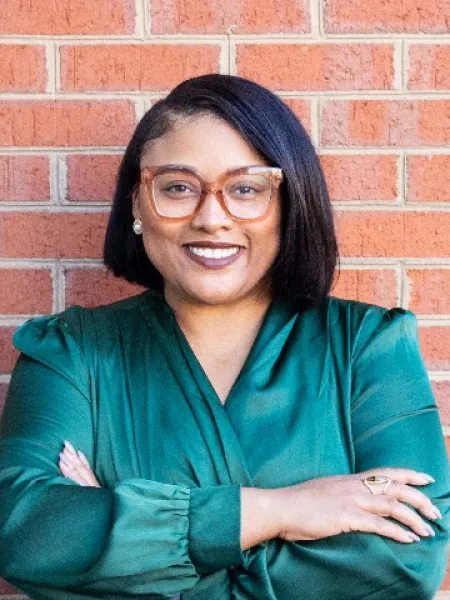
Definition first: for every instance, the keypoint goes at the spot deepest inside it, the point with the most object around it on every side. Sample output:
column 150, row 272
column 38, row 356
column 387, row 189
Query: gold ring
column 375, row 480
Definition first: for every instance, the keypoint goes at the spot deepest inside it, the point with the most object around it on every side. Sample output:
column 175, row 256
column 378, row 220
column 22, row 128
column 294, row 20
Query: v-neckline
column 200, row 375
column 275, row 316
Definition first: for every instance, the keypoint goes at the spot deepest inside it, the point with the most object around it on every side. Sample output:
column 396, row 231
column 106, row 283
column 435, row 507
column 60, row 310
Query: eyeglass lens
column 177, row 193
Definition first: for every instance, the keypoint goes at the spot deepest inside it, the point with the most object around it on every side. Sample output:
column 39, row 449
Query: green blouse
column 339, row 388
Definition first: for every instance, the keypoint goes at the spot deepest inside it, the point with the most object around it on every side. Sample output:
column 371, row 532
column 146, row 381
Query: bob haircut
column 304, row 269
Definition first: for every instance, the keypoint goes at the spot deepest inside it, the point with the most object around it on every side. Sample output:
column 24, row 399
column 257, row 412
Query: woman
column 253, row 436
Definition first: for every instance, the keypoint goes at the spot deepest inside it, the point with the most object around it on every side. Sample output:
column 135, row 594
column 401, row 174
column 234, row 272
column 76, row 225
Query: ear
column 136, row 199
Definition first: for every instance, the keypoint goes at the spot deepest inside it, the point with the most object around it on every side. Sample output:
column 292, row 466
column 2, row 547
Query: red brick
column 23, row 68
column 24, row 178
column 441, row 390
column 429, row 67
column 317, row 66
column 361, row 177
column 429, row 290
column 377, row 286
column 435, row 346
column 25, row 291
column 428, row 178
column 134, row 67
column 393, row 234
column 382, row 16
column 66, row 123
column 92, row 177
column 67, row 17
column 8, row 354
column 214, row 16
column 52, row 235
column 302, row 110
column 91, row 287
column 386, row 123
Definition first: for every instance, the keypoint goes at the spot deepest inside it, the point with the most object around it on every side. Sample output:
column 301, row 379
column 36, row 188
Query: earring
column 137, row 227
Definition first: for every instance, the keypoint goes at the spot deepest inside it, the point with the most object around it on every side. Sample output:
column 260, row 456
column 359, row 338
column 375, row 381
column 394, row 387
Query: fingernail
column 69, row 447
column 437, row 512
column 84, row 459
column 428, row 477
column 430, row 530
column 413, row 536
column 65, row 460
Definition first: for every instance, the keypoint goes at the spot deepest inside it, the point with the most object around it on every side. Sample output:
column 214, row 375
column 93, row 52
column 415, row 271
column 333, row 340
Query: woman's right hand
column 328, row 506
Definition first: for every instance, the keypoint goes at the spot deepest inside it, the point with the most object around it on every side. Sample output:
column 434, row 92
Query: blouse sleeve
column 395, row 423
column 142, row 537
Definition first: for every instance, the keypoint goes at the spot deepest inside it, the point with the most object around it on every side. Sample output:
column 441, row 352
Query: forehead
column 205, row 143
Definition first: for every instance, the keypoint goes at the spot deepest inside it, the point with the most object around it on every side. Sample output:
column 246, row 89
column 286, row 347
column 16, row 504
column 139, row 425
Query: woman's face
column 211, row 147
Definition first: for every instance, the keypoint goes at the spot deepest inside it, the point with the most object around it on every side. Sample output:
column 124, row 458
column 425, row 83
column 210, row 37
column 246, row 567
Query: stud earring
column 137, row 227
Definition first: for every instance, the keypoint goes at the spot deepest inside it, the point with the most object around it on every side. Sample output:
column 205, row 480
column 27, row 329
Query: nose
column 211, row 216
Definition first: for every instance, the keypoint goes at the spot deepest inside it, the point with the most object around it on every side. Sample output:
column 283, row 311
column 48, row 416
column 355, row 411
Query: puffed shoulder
column 57, row 342
column 386, row 328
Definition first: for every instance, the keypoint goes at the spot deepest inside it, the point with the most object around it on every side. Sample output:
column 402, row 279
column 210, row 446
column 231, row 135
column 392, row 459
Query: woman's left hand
column 75, row 466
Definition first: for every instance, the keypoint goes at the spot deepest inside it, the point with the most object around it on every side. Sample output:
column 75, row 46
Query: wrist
column 260, row 516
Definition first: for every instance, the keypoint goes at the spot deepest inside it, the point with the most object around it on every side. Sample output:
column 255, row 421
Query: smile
column 214, row 253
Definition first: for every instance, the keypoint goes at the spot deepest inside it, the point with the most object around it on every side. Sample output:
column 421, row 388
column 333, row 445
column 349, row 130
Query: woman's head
column 215, row 123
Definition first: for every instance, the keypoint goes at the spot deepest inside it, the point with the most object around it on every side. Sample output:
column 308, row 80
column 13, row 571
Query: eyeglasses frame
column 148, row 174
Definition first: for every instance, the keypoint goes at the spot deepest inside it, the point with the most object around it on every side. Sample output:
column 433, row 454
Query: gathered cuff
column 215, row 528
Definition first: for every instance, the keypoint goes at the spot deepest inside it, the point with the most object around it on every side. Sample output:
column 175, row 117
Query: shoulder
column 71, row 335
column 364, row 323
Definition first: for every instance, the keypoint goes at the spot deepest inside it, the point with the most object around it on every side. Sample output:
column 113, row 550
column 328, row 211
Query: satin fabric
column 335, row 389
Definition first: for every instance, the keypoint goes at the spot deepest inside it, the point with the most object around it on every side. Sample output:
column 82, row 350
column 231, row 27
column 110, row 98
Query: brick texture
column 429, row 290
column 91, row 177
column 429, row 67
column 387, row 16
column 66, row 123
column 361, row 177
column 8, row 354
column 435, row 346
column 428, row 178
column 369, row 80
column 67, row 17
column 92, row 287
column 23, row 68
column 317, row 67
column 139, row 67
column 24, row 178
column 302, row 110
column 392, row 234
column 386, row 123
column 377, row 286
column 441, row 391
column 239, row 16
column 15, row 296
column 52, row 235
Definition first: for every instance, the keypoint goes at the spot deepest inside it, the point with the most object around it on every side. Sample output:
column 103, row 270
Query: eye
column 177, row 188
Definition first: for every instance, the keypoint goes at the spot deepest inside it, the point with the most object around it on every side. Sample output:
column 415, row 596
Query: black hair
column 304, row 269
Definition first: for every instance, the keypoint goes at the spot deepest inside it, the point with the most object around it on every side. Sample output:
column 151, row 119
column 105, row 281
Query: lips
column 213, row 256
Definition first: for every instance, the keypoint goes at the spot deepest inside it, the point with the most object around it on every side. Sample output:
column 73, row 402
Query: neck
column 219, row 320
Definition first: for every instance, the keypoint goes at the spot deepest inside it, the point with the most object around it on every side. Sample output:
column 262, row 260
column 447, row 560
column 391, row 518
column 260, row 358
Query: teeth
column 215, row 253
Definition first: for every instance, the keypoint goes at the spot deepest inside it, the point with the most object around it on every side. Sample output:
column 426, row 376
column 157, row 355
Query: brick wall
column 369, row 79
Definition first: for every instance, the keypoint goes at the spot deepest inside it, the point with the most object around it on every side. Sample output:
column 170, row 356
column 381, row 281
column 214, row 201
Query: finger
column 363, row 521
column 407, row 476
column 412, row 496
column 71, row 473
column 84, row 473
column 387, row 506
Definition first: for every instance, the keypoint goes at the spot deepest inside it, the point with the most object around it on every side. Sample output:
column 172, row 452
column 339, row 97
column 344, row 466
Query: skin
column 210, row 306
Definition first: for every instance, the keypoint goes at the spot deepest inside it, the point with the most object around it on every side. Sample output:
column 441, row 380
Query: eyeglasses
column 177, row 192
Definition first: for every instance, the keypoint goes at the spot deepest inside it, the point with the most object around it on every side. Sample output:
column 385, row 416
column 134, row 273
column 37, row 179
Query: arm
column 142, row 537
column 394, row 424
